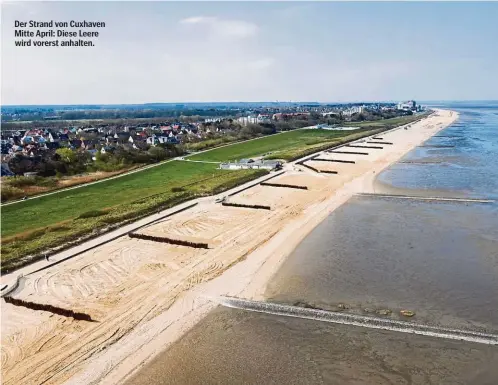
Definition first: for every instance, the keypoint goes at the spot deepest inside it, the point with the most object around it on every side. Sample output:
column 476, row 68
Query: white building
column 407, row 106
column 245, row 120
column 354, row 110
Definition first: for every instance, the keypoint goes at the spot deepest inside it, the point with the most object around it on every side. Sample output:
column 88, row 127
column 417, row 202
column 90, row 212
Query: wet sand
column 237, row 347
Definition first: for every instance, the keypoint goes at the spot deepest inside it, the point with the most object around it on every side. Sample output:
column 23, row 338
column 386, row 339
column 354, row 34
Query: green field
column 276, row 144
column 393, row 122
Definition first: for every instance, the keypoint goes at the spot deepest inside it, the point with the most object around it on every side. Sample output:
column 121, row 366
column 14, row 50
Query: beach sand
column 144, row 295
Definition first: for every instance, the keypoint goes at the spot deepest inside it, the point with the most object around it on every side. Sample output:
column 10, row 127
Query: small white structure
column 246, row 164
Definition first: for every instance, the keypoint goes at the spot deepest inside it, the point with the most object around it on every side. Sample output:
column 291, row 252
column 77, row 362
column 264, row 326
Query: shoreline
column 247, row 274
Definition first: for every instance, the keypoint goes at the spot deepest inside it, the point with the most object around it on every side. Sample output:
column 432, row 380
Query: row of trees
column 70, row 162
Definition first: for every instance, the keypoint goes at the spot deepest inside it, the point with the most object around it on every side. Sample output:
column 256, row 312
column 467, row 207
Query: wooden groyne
column 348, row 152
column 334, row 160
column 52, row 309
column 310, row 167
column 260, row 207
column 172, row 241
column 255, row 184
column 285, row 185
column 381, row 143
column 377, row 138
column 360, row 146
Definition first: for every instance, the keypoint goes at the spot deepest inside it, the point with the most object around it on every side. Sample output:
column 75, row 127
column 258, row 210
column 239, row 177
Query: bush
column 23, row 181
column 92, row 214
column 9, row 192
column 178, row 189
column 20, row 181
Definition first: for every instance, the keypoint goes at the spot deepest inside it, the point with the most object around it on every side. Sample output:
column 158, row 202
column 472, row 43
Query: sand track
column 128, row 282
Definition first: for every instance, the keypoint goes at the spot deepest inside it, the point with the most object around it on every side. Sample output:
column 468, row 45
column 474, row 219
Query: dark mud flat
column 437, row 259
column 238, row 347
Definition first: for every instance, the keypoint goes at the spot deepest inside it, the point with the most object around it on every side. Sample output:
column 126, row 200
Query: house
column 107, row 150
column 5, row 147
column 93, row 153
column 140, row 145
column 52, row 145
column 263, row 118
column 121, row 136
column 89, row 144
column 75, row 143
column 53, row 137
column 15, row 148
column 5, row 170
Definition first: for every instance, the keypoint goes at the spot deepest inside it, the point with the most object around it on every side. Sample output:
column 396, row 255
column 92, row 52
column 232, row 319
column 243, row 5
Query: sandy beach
column 143, row 295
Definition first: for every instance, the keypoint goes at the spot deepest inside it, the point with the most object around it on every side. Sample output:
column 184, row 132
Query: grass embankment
column 17, row 187
column 294, row 144
column 34, row 226
column 276, row 144
column 287, row 146
column 393, row 122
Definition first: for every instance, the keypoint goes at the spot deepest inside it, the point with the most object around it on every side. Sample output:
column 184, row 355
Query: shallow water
column 437, row 259
column 237, row 347
column 469, row 168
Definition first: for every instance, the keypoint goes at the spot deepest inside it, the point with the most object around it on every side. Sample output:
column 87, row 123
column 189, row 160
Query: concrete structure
column 354, row 110
column 410, row 105
column 245, row 164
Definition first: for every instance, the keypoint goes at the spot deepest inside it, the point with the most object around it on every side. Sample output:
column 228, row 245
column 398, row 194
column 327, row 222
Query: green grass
column 44, row 211
column 393, row 122
column 278, row 143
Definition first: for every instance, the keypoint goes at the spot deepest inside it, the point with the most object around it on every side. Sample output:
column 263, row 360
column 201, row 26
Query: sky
column 152, row 52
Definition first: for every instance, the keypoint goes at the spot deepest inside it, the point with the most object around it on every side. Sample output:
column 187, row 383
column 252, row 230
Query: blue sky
column 239, row 51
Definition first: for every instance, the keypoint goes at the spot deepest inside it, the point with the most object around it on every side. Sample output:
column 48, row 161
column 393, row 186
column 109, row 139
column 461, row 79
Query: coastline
column 246, row 275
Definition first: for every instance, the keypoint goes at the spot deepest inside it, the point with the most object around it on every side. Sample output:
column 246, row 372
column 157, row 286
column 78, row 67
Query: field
column 393, row 122
column 32, row 226
column 276, row 144
column 297, row 143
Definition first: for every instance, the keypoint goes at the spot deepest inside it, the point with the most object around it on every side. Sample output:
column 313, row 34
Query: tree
column 157, row 153
column 66, row 155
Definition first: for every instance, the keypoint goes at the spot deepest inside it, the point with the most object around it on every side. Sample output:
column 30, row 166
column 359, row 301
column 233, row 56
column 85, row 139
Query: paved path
column 197, row 161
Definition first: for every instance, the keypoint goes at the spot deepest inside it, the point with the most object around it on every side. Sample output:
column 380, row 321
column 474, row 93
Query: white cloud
column 228, row 28
column 196, row 20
